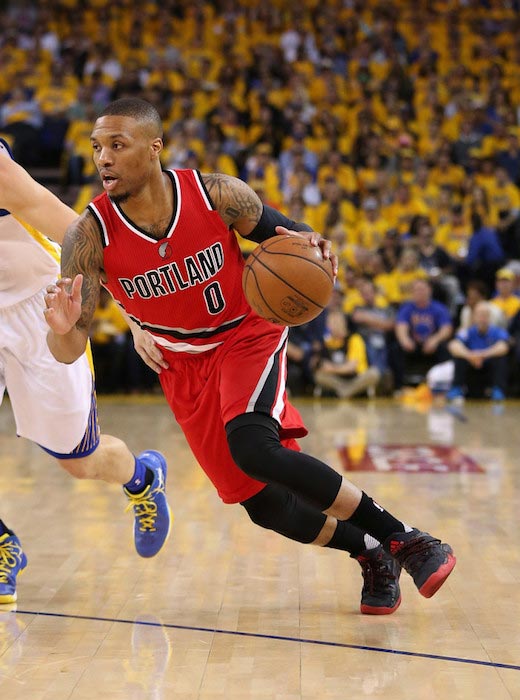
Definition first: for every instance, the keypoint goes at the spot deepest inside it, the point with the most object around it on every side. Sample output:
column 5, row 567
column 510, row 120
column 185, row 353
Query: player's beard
column 119, row 198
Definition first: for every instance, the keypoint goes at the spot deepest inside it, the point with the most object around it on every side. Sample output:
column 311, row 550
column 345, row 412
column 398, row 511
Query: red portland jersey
column 185, row 289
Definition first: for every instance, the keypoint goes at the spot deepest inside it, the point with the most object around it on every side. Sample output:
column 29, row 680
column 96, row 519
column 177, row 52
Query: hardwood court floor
column 230, row 611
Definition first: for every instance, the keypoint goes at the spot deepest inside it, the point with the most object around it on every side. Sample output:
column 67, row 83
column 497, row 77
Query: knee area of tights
column 252, row 445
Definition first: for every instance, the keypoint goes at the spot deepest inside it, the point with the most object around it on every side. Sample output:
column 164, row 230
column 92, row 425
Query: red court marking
column 407, row 458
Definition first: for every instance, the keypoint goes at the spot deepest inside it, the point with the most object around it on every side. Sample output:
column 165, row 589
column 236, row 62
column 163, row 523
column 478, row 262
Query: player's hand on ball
column 63, row 304
column 148, row 350
column 315, row 239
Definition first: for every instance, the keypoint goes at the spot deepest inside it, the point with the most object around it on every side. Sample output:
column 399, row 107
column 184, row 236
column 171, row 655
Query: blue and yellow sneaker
column 12, row 562
column 151, row 509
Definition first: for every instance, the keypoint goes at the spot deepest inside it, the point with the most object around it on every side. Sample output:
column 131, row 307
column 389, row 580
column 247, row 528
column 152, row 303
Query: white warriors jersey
column 28, row 261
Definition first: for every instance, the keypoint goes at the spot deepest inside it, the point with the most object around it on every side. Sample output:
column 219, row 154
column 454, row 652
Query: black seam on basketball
column 276, row 314
column 301, row 257
column 260, row 293
column 288, row 284
column 271, row 241
column 276, row 239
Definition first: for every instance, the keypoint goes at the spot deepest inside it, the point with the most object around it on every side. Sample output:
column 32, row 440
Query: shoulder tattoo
column 233, row 198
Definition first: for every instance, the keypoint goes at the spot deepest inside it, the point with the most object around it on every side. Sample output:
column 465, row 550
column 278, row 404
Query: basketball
column 287, row 281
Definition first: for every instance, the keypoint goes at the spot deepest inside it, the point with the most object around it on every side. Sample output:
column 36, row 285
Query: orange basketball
column 287, row 281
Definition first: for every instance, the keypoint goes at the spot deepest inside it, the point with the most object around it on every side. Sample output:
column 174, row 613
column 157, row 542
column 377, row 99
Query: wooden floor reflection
column 230, row 611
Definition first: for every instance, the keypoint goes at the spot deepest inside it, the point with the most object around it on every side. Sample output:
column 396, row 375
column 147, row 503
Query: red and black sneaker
column 381, row 594
column 428, row 560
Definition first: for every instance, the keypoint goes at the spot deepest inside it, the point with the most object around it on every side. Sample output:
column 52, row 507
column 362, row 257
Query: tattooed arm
column 71, row 302
column 240, row 207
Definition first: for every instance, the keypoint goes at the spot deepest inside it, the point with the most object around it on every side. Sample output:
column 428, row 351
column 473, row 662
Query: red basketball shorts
column 205, row 391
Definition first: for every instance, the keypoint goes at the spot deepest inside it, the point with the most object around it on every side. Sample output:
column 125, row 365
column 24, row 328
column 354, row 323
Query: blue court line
column 276, row 637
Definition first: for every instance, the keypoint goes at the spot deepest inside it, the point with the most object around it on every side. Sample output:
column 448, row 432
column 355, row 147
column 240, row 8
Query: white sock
column 370, row 542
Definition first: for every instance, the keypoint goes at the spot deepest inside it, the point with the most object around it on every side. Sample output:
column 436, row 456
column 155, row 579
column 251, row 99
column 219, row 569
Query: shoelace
column 376, row 570
column 413, row 555
column 10, row 555
column 145, row 509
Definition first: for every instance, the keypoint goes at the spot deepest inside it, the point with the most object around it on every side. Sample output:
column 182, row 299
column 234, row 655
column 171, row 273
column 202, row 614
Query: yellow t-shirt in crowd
column 508, row 305
column 355, row 351
column 108, row 322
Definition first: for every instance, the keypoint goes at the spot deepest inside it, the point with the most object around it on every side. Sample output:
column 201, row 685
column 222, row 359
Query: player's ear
column 157, row 146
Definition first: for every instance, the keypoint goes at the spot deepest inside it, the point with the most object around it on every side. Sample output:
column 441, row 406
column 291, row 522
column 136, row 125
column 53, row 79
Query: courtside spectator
column 423, row 326
column 480, row 355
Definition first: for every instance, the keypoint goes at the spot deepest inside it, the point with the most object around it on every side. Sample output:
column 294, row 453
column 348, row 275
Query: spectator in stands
column 403, row 209
column 437, row 264
column 477, row 291
column 509, row 158
column 422, row 329
column 454, row 236
column 21, row 118
column 108, row 341
column 480, row 355
column 304, row 349
column 468, row 139
column 506, row 300
column 371, row 226
column 407, row 271
column 484, row 255
column 374, row 319
column 505, row 198
column 390, row 249
column 343, row 368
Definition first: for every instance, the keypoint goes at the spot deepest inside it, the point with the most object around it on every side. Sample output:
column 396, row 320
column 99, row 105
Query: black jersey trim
column 203, row 186
column 103, row 233
column 266, row 399
column 173, row 220
column 187, row 335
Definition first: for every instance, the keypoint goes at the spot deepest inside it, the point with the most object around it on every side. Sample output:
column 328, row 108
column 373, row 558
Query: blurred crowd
column 392, row 128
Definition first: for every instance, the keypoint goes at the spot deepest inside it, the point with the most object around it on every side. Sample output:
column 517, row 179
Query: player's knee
column 276, row 508
column 253, row 445
column 83, row 468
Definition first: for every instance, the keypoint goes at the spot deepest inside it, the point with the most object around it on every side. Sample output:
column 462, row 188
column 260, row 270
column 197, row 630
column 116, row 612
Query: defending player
column 162, row 242
column 54, row 404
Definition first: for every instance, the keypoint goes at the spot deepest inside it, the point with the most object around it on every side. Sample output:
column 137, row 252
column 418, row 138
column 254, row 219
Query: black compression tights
column 298, row 489
column 255, row 447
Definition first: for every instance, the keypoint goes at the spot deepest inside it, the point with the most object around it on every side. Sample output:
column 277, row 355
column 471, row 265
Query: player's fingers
column 335, row 264
column 148, row 360
column 63, row 282
column 155, row 354
column 76, row 287
column 325, row 246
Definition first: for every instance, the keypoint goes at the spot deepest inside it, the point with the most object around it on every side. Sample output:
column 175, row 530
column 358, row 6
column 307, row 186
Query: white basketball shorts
column 52, row 402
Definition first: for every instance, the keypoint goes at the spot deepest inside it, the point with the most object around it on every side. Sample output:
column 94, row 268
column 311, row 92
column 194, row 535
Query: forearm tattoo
column 234, row 199
column 82, row 253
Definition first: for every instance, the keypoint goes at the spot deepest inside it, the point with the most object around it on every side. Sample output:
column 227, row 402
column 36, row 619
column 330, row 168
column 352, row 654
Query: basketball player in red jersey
column 163, row 243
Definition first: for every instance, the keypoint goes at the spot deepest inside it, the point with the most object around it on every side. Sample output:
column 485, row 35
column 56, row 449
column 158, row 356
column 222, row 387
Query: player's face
column 125, row 154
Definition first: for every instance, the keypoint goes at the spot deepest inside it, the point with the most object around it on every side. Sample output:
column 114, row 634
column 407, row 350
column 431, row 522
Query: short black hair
column 138, row 109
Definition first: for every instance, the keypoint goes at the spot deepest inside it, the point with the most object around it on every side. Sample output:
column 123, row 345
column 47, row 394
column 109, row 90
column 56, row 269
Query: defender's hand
column 63, row 304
